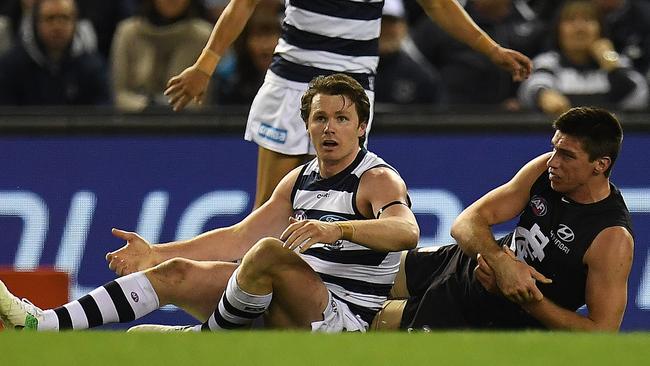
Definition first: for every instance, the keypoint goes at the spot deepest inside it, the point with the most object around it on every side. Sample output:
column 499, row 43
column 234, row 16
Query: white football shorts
column 337, row 318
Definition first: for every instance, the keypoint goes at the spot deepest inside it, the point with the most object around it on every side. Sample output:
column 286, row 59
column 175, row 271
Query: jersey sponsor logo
column 323, row 195
column 332, row 218
column 539, row 206
column 269, row 132
column 565, row 233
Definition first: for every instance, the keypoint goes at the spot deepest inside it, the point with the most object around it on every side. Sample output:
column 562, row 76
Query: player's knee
column 173, row 271
column 264, row 254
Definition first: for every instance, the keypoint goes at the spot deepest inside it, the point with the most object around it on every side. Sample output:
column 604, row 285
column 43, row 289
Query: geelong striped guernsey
column 354, row 274
column 322, row 37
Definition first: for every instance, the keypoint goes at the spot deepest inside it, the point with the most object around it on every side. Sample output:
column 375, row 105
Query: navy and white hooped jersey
column 357, row 275
column 321, row 37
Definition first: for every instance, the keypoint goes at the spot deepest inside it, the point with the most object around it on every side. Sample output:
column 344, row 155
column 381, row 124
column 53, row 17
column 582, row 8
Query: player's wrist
column 347, row 230
column 207, row 61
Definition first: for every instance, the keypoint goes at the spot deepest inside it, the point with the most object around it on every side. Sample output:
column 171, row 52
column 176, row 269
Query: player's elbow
column 411, row 236
column 458, row 227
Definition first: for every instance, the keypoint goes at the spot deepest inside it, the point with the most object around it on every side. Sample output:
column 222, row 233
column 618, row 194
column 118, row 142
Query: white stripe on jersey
column 330, row 26
column 327, row 60
column 328, row 199
column 384, row 274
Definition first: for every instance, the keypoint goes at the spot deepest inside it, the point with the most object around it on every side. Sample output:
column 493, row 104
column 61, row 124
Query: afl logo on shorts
column 565, row 233
column 538, row 205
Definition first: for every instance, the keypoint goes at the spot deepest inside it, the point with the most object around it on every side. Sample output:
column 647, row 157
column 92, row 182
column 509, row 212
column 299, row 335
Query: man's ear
column 602, row 164
column 362, row 128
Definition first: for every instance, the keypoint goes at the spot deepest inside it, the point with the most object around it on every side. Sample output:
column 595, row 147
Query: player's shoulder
column 380, row 178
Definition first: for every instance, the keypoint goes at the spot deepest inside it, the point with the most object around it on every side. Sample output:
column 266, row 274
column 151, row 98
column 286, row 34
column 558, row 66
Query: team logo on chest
column 538, row 205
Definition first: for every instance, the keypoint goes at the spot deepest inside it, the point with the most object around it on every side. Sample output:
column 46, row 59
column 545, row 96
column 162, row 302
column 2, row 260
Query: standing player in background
column 572, row 246
column 319, row 37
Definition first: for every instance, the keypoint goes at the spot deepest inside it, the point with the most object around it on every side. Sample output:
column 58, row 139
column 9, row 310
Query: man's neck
column 591, row 192
column 330, row 168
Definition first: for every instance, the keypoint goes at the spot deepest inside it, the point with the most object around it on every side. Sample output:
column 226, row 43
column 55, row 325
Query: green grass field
column 298, row 348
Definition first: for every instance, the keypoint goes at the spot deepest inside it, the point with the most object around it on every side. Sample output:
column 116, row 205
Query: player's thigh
column 390, row 315
column 299, row 296
column 400, row 289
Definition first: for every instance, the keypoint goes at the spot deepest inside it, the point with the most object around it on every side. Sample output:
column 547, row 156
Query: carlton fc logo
column 538, row 205
column 565, row 233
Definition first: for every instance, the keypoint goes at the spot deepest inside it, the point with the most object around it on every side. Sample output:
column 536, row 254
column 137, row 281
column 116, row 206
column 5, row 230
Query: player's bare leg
column 275, row 282
column 400, row 289
column 194, row 286
column 271, row 168
column 390, row 316
column 299, row 295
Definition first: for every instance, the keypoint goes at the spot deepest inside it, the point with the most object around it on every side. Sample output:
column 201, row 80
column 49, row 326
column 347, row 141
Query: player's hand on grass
column 516, row 280
column 190, row 85
column 136, row 255
column 305, row 233
column 513, row 61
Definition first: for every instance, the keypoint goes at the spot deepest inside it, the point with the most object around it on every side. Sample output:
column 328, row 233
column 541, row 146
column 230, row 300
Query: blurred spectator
column 5, row 33
column 19, row 13
column 104, row 15
column 253, row 53
column 584, row 69
column 627, row 22
column 49, row 65
column 402, row 76
column 469, row 77
column 150, row 48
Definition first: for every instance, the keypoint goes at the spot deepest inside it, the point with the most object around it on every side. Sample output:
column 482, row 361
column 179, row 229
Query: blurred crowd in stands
column 121, row 53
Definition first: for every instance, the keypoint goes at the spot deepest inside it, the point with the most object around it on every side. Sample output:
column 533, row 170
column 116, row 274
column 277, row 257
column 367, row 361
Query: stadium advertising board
column 61, row 195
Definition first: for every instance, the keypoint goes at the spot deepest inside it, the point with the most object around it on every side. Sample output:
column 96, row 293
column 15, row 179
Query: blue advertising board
column 61, row 195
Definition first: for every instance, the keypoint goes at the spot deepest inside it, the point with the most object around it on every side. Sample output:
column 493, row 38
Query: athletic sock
column 123, row 300
column 237, row 308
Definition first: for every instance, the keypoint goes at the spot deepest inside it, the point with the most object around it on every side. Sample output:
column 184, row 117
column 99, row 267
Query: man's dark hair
column 598, row 130
column 337, row 84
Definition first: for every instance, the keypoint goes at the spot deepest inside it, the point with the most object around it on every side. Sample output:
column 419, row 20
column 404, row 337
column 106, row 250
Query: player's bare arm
column 472, row 231
column 191, row 84
column 224, row 244
column 454, row 20
column 608, row 261
column 395, row 229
